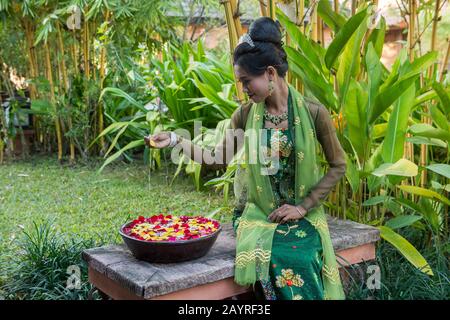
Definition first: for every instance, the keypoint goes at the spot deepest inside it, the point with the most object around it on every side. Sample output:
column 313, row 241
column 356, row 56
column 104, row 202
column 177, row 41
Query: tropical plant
column 375, row 108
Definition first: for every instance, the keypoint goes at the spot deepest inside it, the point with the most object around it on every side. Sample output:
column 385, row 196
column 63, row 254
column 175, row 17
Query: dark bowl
column 169, row 251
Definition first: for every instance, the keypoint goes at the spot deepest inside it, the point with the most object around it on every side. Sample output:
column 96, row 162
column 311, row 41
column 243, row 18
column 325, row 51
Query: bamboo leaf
column 120, row 93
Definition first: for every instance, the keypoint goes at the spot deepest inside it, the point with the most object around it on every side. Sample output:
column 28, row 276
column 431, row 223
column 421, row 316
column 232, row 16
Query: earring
column 270, row 87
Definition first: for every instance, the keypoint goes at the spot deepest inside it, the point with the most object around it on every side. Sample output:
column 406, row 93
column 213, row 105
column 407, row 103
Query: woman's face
column 256, row 87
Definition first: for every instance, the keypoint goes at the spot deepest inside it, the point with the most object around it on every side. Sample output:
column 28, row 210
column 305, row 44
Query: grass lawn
column 81, row 203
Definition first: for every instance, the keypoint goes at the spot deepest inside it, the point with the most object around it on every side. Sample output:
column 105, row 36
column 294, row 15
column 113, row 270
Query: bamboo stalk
column 320, row 35
column 92, row 64
column 52, row 98
column 66, row 88
column 272, row 8
column 86, row 68
column 289, row 73
column 300, row 7
column 408, row 149
column 300, row 14
column 102, row 78
column 29, row 40
column 34, row 73
column 2, row 126
column 354, row 6
column 336, row 6
column 263, row 8
column 444, row 62
column 74, row 53
column 86, row 48
column 313, row 32
column 426, row 118
column 236, row 17
column 411, row 28
column 233, row 37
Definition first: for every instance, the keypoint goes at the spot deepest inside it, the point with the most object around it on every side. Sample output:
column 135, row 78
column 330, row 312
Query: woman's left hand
column 287, row 212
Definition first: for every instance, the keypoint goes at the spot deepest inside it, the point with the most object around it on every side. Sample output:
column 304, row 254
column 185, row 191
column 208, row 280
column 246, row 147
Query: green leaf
column 376, row 38
column 334, row 20
column 443, row 95
column 406, row 249
column 429, row 141
column 439, row 118
column 377, row 200
column 426, row 130
column 393, row 143
column 440, row 168
column 390, row 92
column 343, row 36
column 305, row 45
column 429, row 213
column 374, row 72
column 132, row 144
column 313, row 80
column 352, row 174
column 120, row 93
column 350, row 61
column 402, row 167
column 438, row 186
column 356, row 116
column 42, row 107
column 424, row 193
column 402, row 221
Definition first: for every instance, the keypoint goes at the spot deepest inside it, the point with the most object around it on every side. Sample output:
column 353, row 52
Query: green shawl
column 255, row 232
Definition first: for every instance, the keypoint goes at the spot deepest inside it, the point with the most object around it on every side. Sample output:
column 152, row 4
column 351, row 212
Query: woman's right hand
column 158, row 141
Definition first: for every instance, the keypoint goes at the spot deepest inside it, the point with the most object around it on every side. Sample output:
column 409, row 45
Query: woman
column 283, row 245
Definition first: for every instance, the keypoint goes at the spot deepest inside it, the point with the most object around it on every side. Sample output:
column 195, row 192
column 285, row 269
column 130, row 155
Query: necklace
column 275, row 119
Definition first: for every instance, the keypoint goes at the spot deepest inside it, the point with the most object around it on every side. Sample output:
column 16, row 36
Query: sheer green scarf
column 255, row 232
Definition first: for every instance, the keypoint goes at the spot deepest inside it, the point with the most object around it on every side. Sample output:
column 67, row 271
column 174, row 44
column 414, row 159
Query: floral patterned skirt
column 295, row 265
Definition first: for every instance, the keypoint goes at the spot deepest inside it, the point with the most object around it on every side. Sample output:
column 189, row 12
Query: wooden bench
column 116, row 274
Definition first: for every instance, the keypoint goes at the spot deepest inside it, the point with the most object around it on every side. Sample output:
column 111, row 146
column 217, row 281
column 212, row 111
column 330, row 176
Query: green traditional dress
column 296, row 255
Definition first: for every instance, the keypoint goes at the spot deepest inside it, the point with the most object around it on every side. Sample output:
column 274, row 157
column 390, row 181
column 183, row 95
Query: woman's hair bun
column 265, row 29
column 267, row 50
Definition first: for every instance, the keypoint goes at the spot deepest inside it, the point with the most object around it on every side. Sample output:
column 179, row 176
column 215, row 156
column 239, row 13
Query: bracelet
column 301, row 214
column 173, row 139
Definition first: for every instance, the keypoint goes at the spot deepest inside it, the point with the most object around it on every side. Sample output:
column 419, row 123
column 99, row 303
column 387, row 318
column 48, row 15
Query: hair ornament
column 246, row 38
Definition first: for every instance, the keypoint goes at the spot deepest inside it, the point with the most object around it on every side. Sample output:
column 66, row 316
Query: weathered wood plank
column 151, row 279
